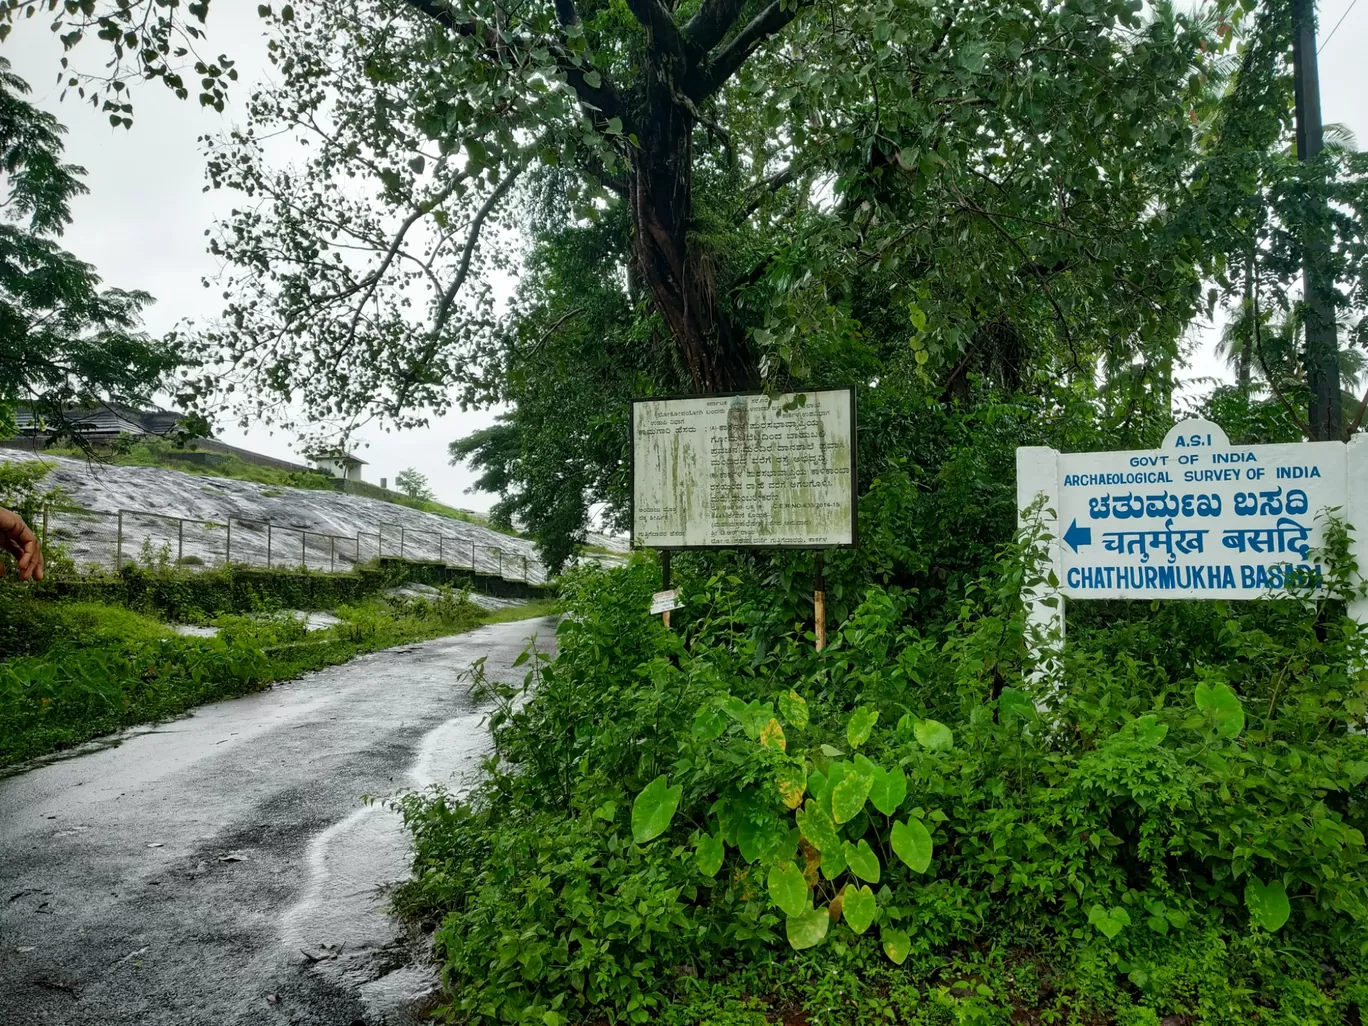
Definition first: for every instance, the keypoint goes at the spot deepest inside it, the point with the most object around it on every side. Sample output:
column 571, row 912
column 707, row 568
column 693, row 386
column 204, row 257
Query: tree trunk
column 682, row 284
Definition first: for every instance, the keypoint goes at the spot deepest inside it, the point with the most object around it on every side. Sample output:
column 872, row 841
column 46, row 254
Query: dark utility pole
column 1322, row 351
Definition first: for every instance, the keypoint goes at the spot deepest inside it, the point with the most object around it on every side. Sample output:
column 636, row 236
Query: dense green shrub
column 1176, row 830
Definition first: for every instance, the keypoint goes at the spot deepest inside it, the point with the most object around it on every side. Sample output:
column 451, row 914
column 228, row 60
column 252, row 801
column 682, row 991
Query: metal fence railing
column 141, row 536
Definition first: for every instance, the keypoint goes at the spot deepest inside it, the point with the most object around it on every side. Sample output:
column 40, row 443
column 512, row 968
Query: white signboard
column 1197, row 519
column 744, row 471
column 666, row 601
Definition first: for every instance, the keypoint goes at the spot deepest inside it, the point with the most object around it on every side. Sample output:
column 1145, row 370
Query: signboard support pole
column 819, row 600
column 1038, row 481
column 1356, row 514
column 665, row 582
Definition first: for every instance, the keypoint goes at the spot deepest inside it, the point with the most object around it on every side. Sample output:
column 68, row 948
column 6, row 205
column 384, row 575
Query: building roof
column 107, row 418
column 337, row 456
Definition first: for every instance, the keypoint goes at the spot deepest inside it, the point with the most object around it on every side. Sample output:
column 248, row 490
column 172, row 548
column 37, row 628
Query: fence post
column 304, row 549
column 440, row 557
column 401, row 542
column 379, row 541
column 332, row 553
column 500, row 552
column 472, row 557
column 180, row 542
column 45, row 526
column 268, row 545
column 118, row 544
column 228, row 548
column 526, row 579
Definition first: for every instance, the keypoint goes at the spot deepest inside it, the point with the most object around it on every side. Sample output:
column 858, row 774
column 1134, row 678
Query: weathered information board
column 744, row 471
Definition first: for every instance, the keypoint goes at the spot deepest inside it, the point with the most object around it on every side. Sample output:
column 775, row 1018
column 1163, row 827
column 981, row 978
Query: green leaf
column 756, row 718
column 859, row 726
column 818, row 828
column 849, row 794
column 897, row 944
column 912, row 843
column 1015, row 705
column 654, row 808
column 833, row 863
column 1149, row 731
column 888, row 790
column 708, row 854
column 808, row 929
column 934, row 735
column 1267, row 903
column 614, row 126
column 794, row 709
column 1110, row 921
column 1221, row 706
column 862, row 861
column 788, row 889
column 858, row 908
column 792, row 782
column 709, row 722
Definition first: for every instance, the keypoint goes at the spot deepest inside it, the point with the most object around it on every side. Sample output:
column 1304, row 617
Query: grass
column 88, row 669
column 527, row 611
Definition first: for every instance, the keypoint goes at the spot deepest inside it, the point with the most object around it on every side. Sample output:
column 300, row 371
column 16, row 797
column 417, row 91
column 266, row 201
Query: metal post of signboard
column 819, row 600
column 1356, row 513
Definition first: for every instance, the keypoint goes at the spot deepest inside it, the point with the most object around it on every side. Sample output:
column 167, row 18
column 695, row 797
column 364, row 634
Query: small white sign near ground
column 744, row 471
column 1198, row 518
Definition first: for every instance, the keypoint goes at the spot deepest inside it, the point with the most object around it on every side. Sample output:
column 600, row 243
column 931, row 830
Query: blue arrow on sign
column 1076, row 536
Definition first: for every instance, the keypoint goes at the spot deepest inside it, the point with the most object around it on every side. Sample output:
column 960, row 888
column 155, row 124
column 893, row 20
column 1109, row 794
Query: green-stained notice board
column 744, row 471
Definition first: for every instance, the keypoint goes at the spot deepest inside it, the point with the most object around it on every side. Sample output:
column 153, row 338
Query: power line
column 1331, row 36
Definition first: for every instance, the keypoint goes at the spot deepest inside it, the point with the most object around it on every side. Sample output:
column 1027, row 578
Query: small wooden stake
column 819, row 601
column 665, row 582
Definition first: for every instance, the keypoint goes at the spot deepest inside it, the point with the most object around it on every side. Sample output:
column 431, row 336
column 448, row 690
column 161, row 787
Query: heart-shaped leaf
column 1015, row 705
column 912, row 843
column 1267, row 903
column 709, row 722
column 792, row 782
column 756, row 717
column 896, row 944
column 933, row 735
column 849, row 794
column 788, row 889
column 772, row 736
column 1221, row 707
column 860, row 725
column 862, row 861
column 859, row 908
column 1110, row 921
column 1149, row 731
column 818, row 828
column 708, row 854
column 888, row 790
column 833, row 863
column 653, row 809
column 808, row 929
column 794, row 709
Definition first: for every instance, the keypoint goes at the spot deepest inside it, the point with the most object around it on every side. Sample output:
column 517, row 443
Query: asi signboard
column 744, row 471
column 1198, row 518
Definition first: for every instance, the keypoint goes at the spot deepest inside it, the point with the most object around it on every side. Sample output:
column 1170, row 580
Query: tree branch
column 729, row 59
column 444, row 308
column 770, row 185
column 711, row 23
column 660, row 29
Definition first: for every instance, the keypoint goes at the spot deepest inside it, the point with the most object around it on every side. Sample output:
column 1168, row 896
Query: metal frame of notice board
column 819, row 584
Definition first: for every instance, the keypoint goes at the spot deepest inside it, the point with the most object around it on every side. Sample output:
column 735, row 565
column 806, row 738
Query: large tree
column 423, row 116
column 64, row 340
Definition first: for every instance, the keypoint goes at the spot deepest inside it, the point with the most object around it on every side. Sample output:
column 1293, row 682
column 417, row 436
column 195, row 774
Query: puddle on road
column 342, row 920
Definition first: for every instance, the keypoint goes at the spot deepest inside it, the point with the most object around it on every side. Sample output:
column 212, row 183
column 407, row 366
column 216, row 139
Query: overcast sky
column 143, row 223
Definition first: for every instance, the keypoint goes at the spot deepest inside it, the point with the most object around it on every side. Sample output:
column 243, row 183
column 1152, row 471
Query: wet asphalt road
column 179, row 877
